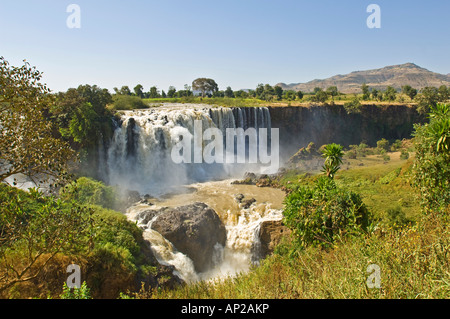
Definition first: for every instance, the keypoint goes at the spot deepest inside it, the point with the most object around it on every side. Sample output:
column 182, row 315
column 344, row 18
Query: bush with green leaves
column 82, row 292
column 127, row 102
column 319, row 215
column 88, row 191
column 383, row 144
column 34, row 229
column 404, row 155
column 353, row 106
column 431, row 168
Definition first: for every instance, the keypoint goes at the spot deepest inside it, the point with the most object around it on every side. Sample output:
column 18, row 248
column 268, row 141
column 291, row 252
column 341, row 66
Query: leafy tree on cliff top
column 82, row 114
column 205, row 86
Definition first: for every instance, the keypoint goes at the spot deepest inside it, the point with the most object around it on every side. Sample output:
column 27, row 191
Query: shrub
column 354, row 106
column 33, row 229
column 76, row 293
column 396, row 145
column 90, row 192
column 404, row 155
column 431, row 169
column 383, row 144
column 320, row 214
column 127, row 102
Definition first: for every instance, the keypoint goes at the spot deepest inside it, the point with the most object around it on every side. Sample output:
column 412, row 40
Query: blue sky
column 239, row 43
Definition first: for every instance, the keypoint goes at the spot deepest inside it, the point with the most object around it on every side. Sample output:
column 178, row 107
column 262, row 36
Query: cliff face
column 331, row 124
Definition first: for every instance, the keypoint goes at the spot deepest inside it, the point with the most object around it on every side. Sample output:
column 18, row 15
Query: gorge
column 138, row 158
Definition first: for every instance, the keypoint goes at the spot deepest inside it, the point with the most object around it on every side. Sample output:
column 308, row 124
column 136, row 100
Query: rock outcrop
column 194, row 230
column 270, row 234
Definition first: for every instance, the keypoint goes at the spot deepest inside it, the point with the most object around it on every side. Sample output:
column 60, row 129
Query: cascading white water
column 139, row 158
column 242, row 226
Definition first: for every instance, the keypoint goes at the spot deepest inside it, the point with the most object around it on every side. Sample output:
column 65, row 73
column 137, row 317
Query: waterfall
column 139, row 154
column 139, row 157
column 242, row 224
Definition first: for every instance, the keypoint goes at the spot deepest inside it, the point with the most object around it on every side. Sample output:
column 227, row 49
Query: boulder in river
column 194, row 230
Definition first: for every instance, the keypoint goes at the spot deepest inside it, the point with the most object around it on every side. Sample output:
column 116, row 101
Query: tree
column 300, row 95
column 428, row 98
column 365, row 91
column 229, row 92
column 443, row 93
column 138, row 90
column 97, row 122
column 259, row 91
column 171, row 92
column 205, row 85
column 219, row 94
column 353, row 106
column 290, row 95
column 409, row 91
column 28, row 144
column 333, row 154
column 390, row 94
column 319, row 96
column 241, row 94
column 153, row 93
column 83, row 124
column 375, row 93
column 125, row 90
column 278, row 90
column 332, row 91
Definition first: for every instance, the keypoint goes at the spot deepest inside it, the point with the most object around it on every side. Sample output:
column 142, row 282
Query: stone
column 270, row 235
column 239, row 197
column 194, row 230
column 246, row 203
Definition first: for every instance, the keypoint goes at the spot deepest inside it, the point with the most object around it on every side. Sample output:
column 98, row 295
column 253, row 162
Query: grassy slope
column 414, row 260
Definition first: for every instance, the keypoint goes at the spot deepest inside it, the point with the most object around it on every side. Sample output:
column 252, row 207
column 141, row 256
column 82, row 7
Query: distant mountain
column 395, row 76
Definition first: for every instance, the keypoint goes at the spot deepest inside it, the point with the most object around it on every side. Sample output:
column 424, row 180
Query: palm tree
column 333, row 158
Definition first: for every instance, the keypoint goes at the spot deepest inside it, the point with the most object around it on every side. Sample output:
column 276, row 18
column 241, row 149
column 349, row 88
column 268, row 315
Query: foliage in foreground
column 321, row 214
column 431, row 169
column 27, row 143
column 40, row 236
column 90, row 192
column 33, row 229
